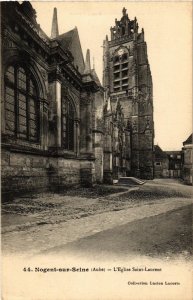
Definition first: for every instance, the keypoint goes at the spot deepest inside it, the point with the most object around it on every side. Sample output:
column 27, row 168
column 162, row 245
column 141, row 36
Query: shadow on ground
column 166, row 235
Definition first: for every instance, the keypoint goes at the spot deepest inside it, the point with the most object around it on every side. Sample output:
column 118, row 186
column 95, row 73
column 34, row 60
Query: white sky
column 168, row 33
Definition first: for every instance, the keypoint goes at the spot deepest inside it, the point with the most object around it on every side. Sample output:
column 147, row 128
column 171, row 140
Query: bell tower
column 127, row 78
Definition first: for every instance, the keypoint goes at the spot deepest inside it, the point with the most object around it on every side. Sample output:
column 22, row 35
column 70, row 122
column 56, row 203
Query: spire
column 54, row 32
column 87, row 62
column 124, row 11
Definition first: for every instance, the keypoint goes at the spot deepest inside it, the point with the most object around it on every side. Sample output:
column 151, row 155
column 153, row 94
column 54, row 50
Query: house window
column 158, row 163
column 67, row 125
column 21, row 104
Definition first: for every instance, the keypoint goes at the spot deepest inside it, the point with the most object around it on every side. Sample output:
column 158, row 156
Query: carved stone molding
column 44, row 74
column 55, row 75
column 6, row 40
column 148, row 123
column 121, row 40
column 45, row 108
column 134, row 126
column 85, row 101
column 67, row 94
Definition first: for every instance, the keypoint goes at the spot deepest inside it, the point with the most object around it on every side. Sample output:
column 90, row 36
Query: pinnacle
column 55, row 31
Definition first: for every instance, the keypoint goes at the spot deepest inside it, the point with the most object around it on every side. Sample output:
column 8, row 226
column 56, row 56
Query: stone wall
column 99, row 157
column 187, row 168
column 161, row 169
column 63, row 173
column 98, row 134
column 24, row 172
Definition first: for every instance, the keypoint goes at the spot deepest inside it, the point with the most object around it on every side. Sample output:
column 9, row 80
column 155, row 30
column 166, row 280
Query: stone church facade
column 51, row 106
column 58, row 128
column 127, row 82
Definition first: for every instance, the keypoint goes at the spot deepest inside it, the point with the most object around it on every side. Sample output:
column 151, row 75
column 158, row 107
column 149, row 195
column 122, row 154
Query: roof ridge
column 76, row 30
column 73, row 30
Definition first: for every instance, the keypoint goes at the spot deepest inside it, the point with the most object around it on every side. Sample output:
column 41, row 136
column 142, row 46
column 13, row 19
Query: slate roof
column 159, row 153
column 66, row 38
column 95, row 77
column 70, row 41
column 188, row 141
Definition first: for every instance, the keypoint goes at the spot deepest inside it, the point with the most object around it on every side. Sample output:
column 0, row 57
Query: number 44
column 27, row 269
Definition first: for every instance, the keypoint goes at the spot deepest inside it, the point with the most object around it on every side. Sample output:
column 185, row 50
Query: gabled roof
column 188, row 141
column 66, row 38
column 70, row 41
column 95, row 77
column 159, row 153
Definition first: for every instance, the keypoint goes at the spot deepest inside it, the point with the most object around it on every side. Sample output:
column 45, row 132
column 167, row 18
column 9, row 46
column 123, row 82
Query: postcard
column 96, row 150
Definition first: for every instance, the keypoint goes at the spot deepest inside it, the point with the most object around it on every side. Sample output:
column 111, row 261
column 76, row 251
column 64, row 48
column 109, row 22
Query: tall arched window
column 67, row 125
column 21, row 104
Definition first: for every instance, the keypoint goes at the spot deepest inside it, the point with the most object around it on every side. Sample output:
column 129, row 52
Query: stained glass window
column 67, row 125
column 21, row 104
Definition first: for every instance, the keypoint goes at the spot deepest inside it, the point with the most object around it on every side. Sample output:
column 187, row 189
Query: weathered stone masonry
column 128, row 87
column 50, row 137
column 60, row 127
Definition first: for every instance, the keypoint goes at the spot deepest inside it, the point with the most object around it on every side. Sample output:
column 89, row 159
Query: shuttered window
column 21, row 104
column 67, row 125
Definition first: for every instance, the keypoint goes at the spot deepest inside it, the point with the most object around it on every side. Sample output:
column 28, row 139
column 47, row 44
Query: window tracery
column 21, row 104
column 68, row 115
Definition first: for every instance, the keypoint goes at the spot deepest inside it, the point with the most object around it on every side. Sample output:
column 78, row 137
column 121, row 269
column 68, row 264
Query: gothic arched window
column 67, row 125
column 21, row 104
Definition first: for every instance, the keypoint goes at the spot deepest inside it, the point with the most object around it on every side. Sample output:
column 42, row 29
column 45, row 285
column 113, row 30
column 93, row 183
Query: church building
column 60, row 126
column 128, row 114
column 52, row 106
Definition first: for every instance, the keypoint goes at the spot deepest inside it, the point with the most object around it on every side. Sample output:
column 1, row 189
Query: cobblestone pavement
column 49, row 208
column 68, row 218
